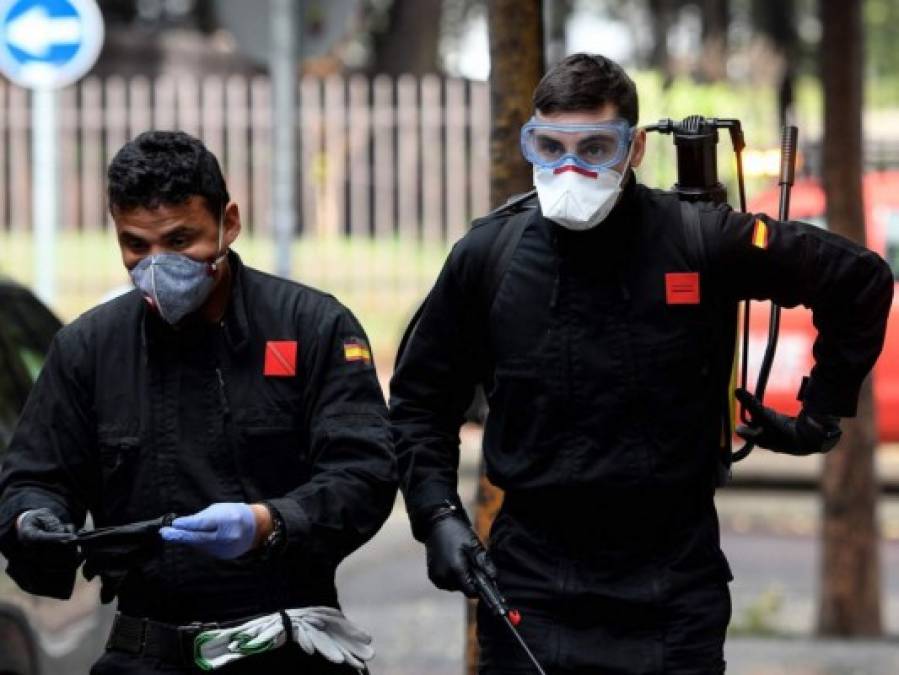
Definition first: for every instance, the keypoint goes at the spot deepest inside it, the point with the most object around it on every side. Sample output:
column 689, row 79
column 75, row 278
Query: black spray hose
column 787, row 178
column 489, row 594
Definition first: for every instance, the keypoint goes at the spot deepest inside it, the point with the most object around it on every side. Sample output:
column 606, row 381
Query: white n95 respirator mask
column 574, row 200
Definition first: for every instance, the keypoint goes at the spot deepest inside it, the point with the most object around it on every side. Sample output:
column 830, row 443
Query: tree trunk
column 409, row 43
column 556, row 15
column 850, row 581
column 661, row 14
column 715, row 20
column 488, row 501
column 516, row 65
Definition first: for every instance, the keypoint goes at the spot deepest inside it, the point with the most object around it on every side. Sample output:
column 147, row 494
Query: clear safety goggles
column 589, row 146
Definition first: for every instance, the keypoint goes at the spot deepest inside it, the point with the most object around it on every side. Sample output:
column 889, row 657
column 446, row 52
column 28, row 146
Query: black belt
column 163, row 641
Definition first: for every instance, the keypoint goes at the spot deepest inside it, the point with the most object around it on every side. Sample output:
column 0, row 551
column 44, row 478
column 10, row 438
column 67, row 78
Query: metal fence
column 377, row 157
column 391, row 171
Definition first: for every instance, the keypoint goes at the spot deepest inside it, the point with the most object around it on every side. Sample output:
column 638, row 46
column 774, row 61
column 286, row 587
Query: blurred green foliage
column 759, row 617
column 382, row 281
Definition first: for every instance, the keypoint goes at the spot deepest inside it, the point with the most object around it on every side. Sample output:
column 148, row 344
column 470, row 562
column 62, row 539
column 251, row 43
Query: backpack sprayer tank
column 696, row 141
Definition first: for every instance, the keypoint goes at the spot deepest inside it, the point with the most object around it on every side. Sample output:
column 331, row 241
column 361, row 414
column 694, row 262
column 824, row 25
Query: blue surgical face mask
column 174, row 284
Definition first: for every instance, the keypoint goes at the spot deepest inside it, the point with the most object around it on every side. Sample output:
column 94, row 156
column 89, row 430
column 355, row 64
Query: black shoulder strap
column 497, row 261
column 725, row 332
column 515, row 202
column 501, row 251
column 690, row 217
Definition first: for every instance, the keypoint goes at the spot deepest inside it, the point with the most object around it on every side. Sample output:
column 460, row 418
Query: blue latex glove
column 224, row 530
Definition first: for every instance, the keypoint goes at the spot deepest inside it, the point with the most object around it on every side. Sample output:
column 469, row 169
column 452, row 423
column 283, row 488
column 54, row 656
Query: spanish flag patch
column 356, row 349
column 760, row 234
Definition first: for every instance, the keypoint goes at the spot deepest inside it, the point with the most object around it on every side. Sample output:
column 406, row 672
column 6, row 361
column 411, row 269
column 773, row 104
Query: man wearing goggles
column 600, row 348
column 583, row 148
column 578, row 164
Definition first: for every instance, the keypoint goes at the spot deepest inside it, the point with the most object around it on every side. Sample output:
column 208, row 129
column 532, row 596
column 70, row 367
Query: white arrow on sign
column 35, row 31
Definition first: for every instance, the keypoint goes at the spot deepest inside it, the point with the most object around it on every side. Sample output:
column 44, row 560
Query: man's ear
column 231, row 224
column 639, row 147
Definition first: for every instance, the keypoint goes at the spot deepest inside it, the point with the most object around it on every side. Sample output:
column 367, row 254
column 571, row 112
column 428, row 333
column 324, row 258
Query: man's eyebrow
column 547, row 136
column 125, row 234
column 184, row 228
column 596, row 137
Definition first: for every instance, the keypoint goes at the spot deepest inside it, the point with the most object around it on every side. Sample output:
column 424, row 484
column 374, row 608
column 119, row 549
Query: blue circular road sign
column 46, row 44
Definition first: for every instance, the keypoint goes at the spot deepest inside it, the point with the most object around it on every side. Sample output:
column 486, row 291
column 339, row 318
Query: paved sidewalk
column 765, row 467
column 757, row 656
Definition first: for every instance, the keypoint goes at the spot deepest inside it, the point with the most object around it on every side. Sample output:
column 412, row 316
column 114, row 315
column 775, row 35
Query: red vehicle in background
column 797, row 334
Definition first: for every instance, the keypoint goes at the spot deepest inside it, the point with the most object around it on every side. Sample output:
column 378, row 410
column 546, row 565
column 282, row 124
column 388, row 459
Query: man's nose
column 156, row 249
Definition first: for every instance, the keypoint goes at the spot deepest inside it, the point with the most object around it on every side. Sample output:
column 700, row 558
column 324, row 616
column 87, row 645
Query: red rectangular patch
column 280, row 358
column 682, row 288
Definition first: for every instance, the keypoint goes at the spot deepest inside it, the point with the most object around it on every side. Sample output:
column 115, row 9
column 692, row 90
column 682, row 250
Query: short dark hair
column 586, row 82
column 165, row 168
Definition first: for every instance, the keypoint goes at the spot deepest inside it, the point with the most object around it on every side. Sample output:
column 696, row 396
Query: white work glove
column 327, row 631
column 315, row 629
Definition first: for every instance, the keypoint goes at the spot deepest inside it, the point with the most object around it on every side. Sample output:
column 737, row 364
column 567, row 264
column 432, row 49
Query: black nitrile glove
column 453, row 551
column 112, row 552
column 802, row 435
column 42, row 526
column 47, row 540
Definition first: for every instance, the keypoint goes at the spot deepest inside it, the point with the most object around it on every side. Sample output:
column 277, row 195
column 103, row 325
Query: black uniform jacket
column 131, row 419
column 601, row 352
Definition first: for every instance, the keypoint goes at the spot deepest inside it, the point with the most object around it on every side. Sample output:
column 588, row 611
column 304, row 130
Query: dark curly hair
column 165, row 168
column 586, row 82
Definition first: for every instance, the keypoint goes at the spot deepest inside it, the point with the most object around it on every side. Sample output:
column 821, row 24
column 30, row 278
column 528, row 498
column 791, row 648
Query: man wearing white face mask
column 598, row 339
column 245, row 404
column 580, row 163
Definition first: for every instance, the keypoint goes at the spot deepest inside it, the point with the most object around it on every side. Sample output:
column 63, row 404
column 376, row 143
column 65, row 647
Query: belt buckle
column 194, row 628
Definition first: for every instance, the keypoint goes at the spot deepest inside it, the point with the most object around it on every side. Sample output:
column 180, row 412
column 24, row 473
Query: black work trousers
column 606, row 602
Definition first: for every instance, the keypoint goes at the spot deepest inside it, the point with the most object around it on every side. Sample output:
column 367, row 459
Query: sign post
column 44, row 191
column 284, row 137
column 45, row 45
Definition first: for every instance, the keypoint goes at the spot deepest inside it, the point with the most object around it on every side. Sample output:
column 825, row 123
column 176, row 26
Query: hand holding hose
column 225, row 530
column 805, row 434
column 42, row 528
column 454, row 554
column 457, row 560
column 46, row 540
